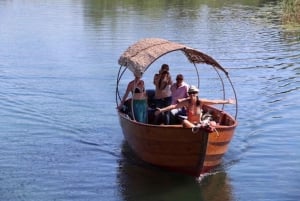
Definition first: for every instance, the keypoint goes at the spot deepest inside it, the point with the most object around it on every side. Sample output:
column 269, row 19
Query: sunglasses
column 193, row 92
column 179, row 79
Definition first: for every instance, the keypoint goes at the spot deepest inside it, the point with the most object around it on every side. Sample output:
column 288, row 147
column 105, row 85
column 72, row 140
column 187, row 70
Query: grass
column 291, row 11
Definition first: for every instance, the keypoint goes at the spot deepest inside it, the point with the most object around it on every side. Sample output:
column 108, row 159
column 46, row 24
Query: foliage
column 291, row 11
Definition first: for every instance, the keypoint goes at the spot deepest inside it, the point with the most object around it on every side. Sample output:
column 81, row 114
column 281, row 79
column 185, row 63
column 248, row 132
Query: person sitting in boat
column 139, row 98
column 193, row 105
column 163, row 98
column 179, row 91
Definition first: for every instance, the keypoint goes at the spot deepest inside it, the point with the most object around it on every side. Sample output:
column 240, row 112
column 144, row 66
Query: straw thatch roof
column 142, row 54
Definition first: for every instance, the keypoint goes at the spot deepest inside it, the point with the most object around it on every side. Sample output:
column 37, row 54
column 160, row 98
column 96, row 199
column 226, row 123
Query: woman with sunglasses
column 193, row 105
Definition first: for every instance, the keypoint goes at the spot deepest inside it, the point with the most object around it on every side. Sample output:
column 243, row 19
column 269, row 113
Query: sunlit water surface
column 59, row 133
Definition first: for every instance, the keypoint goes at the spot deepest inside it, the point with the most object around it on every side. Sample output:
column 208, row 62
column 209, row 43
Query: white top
column 162, row 86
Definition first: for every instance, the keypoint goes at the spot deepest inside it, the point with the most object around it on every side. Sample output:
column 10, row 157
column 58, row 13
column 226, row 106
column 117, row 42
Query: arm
column 181, row 100
column 155, row 79
column 211, row 102
column 125, row 95
column 170, row 80
column 170, row 107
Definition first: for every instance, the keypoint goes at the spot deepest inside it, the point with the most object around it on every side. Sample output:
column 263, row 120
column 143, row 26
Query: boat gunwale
column 180, row 125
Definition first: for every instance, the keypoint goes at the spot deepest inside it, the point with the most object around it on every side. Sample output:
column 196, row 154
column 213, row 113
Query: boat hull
column 176, row 148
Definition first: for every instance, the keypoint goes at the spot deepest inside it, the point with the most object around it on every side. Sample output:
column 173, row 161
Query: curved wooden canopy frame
column 139, row 56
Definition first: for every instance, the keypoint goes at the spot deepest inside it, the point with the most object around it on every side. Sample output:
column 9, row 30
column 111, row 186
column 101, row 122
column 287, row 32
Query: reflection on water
column 140, row 181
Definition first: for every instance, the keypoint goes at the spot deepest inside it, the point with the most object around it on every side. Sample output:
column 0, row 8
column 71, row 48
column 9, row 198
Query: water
column 59, row 134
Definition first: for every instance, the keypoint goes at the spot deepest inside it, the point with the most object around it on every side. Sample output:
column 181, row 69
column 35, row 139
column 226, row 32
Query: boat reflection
column 140, row 181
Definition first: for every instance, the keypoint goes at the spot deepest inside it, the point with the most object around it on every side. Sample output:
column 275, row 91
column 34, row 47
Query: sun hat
column 193, row 89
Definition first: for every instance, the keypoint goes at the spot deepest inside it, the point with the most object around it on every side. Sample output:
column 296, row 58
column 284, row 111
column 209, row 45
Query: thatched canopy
column 142, row 54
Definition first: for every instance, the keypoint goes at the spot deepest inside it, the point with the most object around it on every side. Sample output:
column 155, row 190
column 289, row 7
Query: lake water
column 59, row 134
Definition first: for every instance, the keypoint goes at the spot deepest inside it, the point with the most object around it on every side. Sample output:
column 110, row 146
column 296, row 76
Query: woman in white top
column 163, row 94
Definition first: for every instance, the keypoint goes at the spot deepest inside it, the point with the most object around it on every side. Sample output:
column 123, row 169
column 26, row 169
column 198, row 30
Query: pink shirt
column 179, row 92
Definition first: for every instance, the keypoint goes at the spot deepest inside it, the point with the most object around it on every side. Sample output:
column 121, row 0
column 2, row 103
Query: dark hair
column 198, row 102
column 179, row 77
column 164, row 67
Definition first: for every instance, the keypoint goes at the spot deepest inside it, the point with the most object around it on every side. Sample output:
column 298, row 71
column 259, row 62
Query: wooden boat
column 174, row 147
